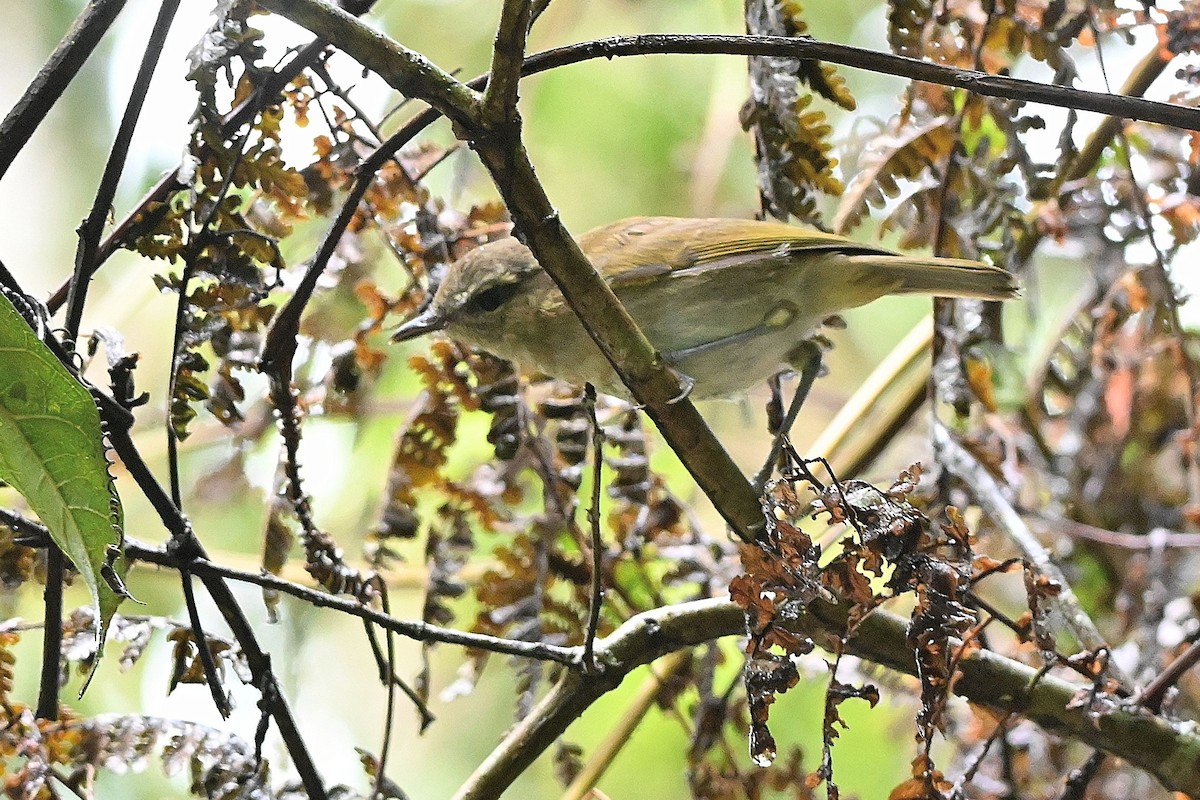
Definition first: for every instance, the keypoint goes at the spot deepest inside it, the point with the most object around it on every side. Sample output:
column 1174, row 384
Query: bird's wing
column 643, row 248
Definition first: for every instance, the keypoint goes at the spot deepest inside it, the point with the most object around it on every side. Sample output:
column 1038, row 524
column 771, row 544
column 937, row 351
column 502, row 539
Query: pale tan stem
column 619, row 736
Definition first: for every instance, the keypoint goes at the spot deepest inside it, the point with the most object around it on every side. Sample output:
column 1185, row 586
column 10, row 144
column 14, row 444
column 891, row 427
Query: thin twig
column 336, row 89
column 93, row 225
column 539, row 6
column 981, row 752
column 808, row 375
column 381, row 663
column 622, row 729
column 987, row 492
column 24, row 527
column 597, row 589
column 418, row 631
column 390, row 709
column 212, row 677
column 54, row 77
column 1079, row 778
column 47, row 707
column 1152, row 696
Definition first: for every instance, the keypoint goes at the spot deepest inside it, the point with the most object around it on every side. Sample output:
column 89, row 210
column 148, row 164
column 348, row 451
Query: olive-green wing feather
column 640, row 249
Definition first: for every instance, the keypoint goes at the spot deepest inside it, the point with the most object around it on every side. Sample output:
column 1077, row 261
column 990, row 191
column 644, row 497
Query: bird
column 727, row 302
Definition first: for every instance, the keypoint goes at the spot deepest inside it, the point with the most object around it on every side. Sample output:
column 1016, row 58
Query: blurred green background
column 645, row 135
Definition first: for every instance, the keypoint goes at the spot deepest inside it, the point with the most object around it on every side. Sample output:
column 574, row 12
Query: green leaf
column 52, row 452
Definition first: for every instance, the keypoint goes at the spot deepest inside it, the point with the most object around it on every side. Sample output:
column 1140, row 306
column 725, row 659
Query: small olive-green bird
column 726, row 301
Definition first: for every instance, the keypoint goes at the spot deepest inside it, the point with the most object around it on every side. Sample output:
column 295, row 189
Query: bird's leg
column 687, row 382
column 810, row 353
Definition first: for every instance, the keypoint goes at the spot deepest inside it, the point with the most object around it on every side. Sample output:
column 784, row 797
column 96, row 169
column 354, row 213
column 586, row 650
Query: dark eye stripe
column 492, row 298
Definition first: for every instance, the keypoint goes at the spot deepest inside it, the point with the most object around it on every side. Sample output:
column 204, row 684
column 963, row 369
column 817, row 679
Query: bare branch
column 405, row 70
column 499, row 105
column 93, row 224
column 51, row 674
column 417, row 631
column 1116, row 105
column 987, row 492
column 54, row 77
column 1149, row 742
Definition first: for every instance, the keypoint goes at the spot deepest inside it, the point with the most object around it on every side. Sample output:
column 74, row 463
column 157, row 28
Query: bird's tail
column 944, row 277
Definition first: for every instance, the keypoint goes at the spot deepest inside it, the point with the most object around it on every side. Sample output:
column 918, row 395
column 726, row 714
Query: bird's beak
column 427, row 321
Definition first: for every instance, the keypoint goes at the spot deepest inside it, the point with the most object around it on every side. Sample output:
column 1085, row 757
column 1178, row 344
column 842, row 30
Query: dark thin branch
column 1122, row 106
column 597, row 585
column 54, row 77
column 212, row 676
column 32, row 533
column 343, row 94
column 808, row 375
column 143, row 216
column 390, row 715
column 1154, row 693
column 418, row 631
column 190, row 550
column 47, row 707
column 93, row 225
column 998, row 734
column 538, row 8
column 1080, row 777
column 381, row 663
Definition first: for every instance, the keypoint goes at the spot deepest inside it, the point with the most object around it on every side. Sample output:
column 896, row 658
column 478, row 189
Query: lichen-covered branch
column 1170, row 753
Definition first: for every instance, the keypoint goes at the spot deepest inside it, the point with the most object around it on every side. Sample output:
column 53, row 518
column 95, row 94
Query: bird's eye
column 492, row 298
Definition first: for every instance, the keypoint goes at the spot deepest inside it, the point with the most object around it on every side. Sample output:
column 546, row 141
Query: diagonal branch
column 93, row 225
column 408, row 72
column 54, row 77
column 987, row 493
column 1147, row 741
column 649, row 378
column 144, row 214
